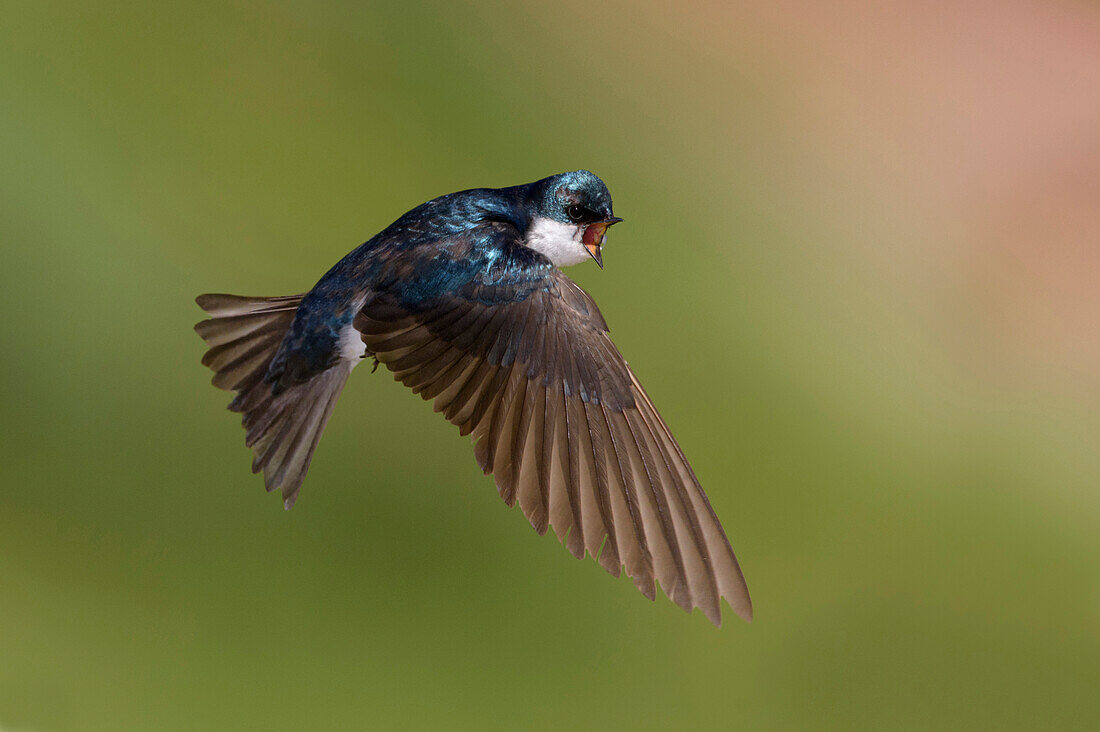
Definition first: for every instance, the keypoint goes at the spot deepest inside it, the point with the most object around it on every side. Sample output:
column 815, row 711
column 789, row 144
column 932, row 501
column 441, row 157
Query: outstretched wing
column 524, row 363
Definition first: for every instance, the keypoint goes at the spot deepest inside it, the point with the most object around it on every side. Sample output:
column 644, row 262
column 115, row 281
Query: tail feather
column 283, row 430
column 284, row 445
column 223, row 306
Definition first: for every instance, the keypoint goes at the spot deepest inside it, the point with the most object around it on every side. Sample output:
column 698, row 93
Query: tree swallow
column 462, row 299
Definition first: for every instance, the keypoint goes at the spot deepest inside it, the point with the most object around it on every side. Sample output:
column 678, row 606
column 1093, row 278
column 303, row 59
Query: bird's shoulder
column 467, row 245
column 455, row 214
column 486, row 265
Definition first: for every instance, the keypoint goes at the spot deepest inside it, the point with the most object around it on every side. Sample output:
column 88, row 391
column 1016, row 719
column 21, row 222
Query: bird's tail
column 283, row 430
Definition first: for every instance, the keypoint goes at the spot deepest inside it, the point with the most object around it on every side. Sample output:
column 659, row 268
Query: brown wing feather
column 561, row 422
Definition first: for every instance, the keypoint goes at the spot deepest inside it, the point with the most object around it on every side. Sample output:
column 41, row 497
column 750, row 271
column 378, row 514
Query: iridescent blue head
column 571, row 213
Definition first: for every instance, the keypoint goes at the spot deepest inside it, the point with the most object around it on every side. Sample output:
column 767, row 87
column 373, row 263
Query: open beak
column 594, row 235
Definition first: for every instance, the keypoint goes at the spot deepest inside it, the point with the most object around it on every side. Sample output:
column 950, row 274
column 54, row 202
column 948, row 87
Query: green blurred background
column 859, row 277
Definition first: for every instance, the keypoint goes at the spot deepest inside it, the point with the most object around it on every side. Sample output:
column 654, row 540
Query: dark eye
column 575, row 212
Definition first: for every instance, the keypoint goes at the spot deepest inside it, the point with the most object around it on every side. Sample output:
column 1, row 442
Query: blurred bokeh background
column 860, row 276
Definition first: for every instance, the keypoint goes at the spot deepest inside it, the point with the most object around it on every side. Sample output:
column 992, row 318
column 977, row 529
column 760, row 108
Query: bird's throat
column 562, row 243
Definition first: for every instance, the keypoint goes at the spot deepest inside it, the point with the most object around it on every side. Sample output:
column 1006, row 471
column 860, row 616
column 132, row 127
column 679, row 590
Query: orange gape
column 593, row 235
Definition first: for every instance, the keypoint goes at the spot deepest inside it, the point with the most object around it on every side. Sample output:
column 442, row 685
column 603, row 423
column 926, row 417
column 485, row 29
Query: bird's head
column 570, row 216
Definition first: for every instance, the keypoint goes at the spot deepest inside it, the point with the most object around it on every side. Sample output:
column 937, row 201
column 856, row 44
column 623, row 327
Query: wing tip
column 714, row 615
column 743, row 609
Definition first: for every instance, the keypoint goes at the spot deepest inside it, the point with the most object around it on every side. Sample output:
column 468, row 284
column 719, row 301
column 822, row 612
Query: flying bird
column 463, row 300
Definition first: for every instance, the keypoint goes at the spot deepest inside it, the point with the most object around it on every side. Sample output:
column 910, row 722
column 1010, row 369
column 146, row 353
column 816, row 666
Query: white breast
column 559, row 242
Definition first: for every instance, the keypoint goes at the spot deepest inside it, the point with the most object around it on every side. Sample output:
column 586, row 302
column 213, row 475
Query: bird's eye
column 575, row 212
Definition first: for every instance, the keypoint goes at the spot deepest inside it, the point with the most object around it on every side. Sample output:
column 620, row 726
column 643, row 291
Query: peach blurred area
column 966, row 134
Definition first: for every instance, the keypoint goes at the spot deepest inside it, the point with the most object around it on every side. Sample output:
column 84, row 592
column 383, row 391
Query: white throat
column 559, row 242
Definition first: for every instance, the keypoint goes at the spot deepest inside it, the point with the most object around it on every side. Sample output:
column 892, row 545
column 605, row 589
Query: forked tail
column 283, row 430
